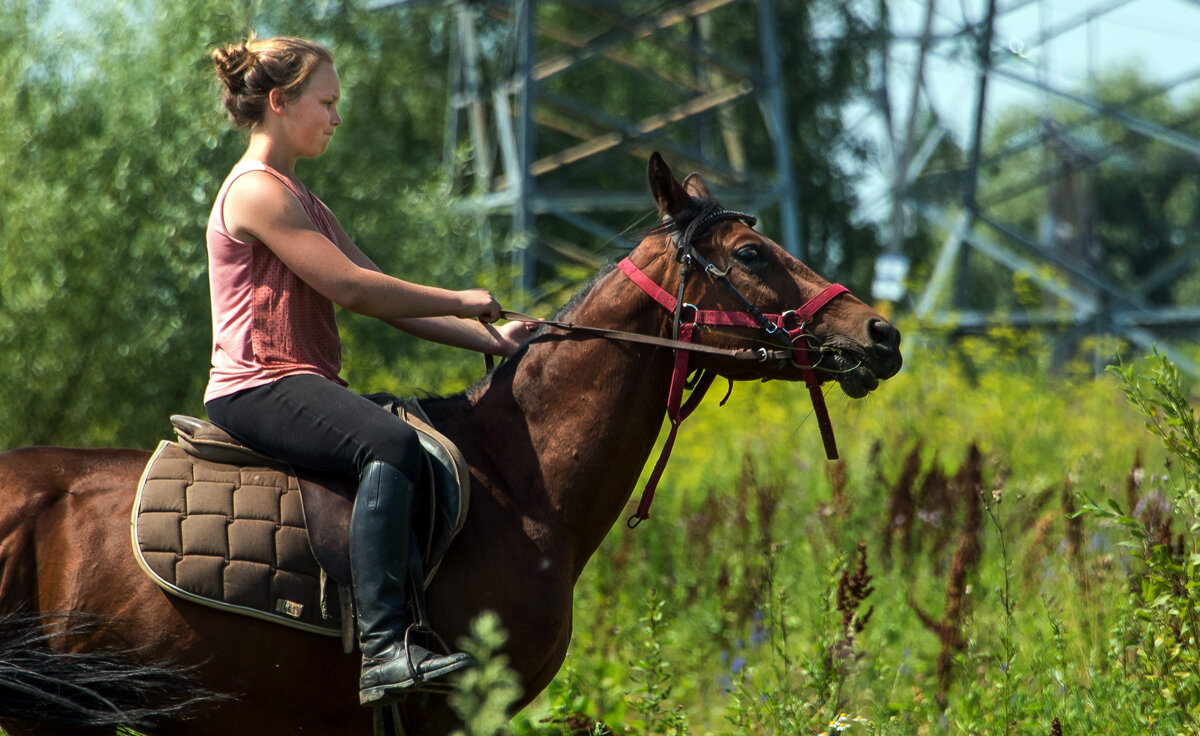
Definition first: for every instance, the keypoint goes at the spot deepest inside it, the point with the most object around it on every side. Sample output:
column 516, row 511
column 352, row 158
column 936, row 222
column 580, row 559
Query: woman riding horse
column 278, row 262
column 555, row 439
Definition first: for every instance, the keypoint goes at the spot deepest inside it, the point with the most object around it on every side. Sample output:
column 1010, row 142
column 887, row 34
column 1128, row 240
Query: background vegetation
column 1002, row 544
column 979, row 566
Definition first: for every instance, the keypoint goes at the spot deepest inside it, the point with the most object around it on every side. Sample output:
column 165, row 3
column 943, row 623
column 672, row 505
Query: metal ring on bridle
column 790, row 314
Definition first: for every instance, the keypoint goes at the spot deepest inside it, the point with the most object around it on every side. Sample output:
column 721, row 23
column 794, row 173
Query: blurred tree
column 112, row 155
column 115, row 146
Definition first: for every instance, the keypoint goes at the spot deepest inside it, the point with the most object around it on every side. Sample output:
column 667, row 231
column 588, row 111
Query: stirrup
column 430, row 682
column 413, row 678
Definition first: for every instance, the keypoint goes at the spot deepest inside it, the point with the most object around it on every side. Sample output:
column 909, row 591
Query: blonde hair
column 250, row 70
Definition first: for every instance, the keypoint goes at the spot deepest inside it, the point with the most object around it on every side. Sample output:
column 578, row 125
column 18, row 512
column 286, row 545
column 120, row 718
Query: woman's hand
column 512, row 335
column 479, row 304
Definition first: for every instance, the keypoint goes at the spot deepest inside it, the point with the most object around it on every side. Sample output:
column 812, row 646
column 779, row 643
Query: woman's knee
column 398, row 445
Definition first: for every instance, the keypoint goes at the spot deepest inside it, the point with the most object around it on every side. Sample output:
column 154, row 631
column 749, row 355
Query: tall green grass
column 1003, row 545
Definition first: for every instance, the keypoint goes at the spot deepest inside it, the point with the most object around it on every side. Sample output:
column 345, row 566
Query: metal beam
column 640, row 129
column 562, row 62
column 963, row 232
column 775, row 115
column 524, row 254
column 1149, row 129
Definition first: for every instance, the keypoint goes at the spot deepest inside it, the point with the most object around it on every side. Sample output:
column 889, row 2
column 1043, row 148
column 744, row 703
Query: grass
column 1002, row 549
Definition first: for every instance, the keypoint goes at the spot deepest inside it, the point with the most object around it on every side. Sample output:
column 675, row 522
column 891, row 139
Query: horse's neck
column 562, row 439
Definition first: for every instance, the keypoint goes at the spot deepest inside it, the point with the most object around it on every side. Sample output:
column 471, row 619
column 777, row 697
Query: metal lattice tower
column 1063, row 256
column 531, row 142
column 524, row 128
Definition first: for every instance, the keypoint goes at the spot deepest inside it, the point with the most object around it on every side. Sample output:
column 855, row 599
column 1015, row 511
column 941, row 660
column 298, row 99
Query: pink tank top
column 267, row 323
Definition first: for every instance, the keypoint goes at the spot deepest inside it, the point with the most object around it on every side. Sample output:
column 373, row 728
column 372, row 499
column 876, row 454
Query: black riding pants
column 314, row 423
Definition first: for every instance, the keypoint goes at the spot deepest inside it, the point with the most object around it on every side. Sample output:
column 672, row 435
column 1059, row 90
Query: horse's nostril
column 883, row 333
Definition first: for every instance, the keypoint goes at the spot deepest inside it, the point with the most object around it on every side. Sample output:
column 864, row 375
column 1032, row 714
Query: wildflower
column 758, row 635
column 844, row 722
column 930, row 517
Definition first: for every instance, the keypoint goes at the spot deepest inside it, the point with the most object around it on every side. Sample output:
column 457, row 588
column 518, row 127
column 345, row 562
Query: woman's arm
column 259, row 207
column 503, row 340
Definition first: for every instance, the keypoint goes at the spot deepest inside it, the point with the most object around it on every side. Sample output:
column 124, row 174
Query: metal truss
column 528, row 142
column 1088, row 302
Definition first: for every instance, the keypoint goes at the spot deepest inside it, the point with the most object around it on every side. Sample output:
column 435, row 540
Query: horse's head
column 778, row 301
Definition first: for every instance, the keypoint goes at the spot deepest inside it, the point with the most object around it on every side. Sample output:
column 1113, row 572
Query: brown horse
column 556, row 439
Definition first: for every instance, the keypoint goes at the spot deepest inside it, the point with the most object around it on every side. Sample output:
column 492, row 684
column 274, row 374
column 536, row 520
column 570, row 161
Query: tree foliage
column 111, row 159
column 116, row 146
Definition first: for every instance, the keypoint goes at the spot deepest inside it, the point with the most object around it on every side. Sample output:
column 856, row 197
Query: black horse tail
column 106, row 687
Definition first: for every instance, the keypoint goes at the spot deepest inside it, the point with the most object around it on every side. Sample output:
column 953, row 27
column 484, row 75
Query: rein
column 758, row 355
column 788, row 329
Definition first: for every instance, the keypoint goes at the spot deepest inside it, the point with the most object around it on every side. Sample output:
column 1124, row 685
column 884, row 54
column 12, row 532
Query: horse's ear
column 695, row 186
column 669, row 194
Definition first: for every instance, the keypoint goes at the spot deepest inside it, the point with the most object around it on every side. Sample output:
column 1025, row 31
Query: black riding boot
column 381, row 548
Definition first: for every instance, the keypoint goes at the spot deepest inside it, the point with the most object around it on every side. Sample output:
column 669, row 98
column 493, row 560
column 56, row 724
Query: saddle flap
column 228, row 536
column 326, row 501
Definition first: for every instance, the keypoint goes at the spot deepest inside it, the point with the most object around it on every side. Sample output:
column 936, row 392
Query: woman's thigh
column 314, row 423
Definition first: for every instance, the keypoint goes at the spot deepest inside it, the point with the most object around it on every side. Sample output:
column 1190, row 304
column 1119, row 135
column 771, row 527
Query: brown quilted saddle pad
column 230, row 529
column 231, row 536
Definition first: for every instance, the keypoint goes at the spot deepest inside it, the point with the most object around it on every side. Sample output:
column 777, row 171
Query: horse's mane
column 565, row 310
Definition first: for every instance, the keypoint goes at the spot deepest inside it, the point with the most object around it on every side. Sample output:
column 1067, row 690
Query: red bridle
column 774, row 324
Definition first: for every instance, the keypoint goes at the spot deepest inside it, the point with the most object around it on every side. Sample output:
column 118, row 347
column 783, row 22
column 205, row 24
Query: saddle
column 221, row 524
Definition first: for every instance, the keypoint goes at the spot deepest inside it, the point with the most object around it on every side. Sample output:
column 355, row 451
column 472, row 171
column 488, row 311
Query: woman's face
column 312, row 117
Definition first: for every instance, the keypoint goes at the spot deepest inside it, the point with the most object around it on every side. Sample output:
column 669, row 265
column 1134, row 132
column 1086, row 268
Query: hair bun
column 232, row 62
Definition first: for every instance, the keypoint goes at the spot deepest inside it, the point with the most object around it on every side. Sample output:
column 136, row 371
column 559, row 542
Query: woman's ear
column 277, row 100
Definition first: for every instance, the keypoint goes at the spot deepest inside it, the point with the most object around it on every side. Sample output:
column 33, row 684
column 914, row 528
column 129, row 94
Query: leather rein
column 787, row 329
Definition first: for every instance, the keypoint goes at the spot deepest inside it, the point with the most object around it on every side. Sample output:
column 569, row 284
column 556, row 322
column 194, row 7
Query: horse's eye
column 749, row 255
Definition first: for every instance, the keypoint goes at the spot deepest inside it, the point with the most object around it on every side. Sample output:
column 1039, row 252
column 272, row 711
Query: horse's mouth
column 858, row 382
column 854, row 376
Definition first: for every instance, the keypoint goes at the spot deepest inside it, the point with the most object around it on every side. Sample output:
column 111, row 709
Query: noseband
column 787, row 328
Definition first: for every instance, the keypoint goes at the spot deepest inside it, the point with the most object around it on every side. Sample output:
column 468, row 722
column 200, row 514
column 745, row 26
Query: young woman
column 278, row 262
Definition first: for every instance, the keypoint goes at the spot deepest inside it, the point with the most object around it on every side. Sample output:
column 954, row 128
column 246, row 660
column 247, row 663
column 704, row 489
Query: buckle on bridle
column 715, row 272
column 695, row 314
